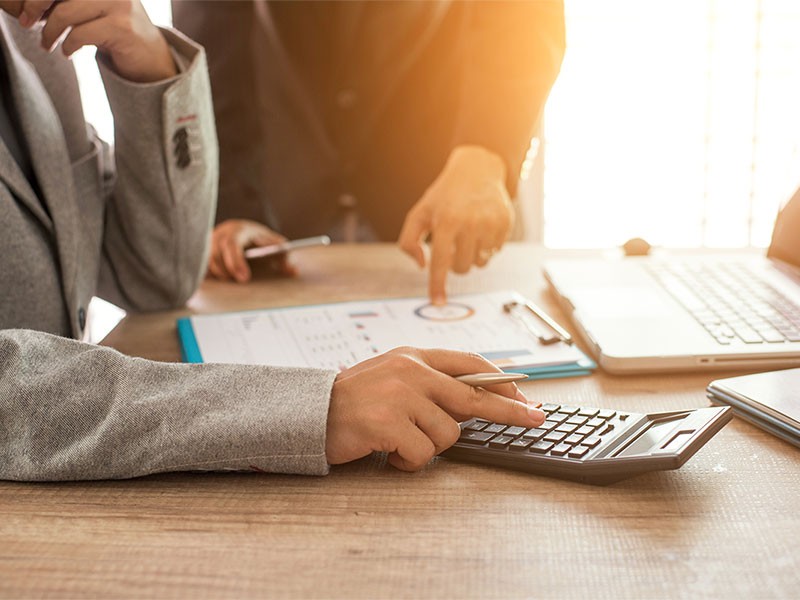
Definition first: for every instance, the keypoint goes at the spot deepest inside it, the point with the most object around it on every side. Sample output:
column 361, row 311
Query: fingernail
column 25, row 20
column 535, row 414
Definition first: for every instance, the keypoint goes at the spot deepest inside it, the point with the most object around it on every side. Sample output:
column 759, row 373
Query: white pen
column 273, row 249
column 480, row 379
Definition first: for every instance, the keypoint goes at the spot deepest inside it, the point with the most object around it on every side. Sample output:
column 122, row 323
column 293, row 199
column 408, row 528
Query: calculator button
column 566, row 428
column 548, row 408
column 555, row 436
column 605, row 429
column 588, row 412
column 495, row 428
column 534, row 434
column 548, row 425
column 585, row 430
column 514, row 431
column 501, row 441
column 574, row 439
column 596, row 422
column 558, row 417
column 623, row 416
column 577, row 421
column 568, row 410
column 475, row 437
column 476, row 425
column 561, row 450
column 606, row 414
column 578, row 452
column 541, row 447
column 591, row 441
column 520, row 444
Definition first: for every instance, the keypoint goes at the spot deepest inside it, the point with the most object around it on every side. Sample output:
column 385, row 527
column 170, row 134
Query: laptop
column 686, row 312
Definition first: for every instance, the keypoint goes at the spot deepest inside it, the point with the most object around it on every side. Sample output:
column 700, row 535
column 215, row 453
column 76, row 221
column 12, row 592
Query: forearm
column 74, row 411
column 164, row 196
column 515, row 53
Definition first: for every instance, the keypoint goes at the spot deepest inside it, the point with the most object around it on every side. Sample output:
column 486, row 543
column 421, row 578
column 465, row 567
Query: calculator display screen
column 652, row 436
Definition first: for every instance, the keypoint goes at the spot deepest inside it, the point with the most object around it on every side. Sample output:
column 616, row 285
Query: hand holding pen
column 408, row 403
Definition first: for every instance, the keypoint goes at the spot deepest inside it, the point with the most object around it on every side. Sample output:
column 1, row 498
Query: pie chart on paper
column 453, row 311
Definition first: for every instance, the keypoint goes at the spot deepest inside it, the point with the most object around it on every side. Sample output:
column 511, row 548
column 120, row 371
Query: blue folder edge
column 190, row 353
column 585, row 366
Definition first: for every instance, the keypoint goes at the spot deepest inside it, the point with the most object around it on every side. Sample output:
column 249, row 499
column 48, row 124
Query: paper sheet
column 336, row 336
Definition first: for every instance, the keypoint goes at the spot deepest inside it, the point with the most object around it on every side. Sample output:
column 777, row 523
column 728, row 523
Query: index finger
column 503, row 404
column 233, row 258
column 454, row 362
column 415, row 226
column 441, row 260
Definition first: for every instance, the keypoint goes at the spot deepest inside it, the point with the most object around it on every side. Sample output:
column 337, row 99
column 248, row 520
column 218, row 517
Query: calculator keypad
column 568, row 431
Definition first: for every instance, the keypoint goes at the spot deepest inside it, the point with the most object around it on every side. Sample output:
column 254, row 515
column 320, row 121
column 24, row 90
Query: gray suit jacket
column 132, row 229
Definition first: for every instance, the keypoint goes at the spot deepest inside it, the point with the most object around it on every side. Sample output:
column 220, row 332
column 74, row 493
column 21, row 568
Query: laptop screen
column 785, row 244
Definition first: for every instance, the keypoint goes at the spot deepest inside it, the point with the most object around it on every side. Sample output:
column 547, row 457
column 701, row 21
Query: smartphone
column 274, row 249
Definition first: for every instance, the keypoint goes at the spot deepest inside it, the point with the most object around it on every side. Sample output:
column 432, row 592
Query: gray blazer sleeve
column 72, row 411
column 163, row 194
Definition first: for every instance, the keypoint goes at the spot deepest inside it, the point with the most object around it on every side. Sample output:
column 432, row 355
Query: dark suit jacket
column 357, row 100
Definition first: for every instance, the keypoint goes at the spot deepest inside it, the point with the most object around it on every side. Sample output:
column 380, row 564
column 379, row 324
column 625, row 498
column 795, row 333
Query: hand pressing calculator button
column 591, row 445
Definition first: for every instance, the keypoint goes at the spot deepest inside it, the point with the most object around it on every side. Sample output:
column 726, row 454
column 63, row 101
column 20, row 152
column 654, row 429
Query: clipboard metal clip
column 551, row 333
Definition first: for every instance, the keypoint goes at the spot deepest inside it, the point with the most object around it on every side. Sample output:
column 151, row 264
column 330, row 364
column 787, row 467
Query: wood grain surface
column 725, row 525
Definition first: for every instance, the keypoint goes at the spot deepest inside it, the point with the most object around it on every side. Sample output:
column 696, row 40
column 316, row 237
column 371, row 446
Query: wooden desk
column 725, row 525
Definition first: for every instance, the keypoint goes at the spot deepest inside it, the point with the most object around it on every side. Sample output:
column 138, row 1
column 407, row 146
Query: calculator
column 591, row 445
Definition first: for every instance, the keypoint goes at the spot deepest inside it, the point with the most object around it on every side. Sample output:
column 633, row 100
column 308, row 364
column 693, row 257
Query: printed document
column 339, row 335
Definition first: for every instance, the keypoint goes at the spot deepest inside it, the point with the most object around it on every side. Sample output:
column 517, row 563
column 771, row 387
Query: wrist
column 157, row 65
column 150, row 75
column 478, row 160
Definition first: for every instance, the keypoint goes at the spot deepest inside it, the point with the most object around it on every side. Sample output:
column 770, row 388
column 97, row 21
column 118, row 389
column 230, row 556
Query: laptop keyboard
column 731, row 302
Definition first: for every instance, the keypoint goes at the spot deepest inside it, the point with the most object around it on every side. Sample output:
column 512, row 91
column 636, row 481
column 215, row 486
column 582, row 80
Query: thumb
column 416, row 225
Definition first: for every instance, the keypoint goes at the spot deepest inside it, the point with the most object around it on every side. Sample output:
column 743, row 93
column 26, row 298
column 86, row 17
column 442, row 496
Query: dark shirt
column 326, row 106
column 361, row 50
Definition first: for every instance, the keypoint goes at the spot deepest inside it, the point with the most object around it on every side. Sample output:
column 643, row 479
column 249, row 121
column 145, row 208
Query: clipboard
column 339, row 335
